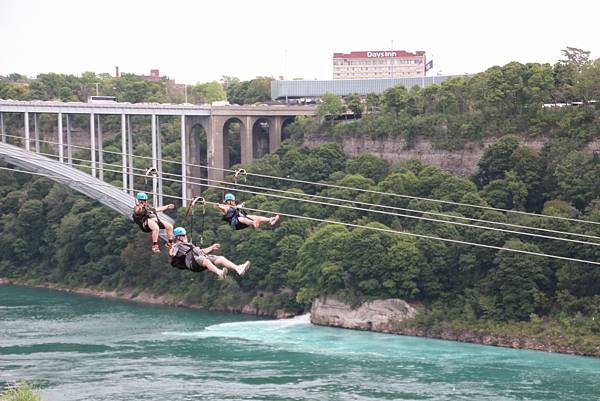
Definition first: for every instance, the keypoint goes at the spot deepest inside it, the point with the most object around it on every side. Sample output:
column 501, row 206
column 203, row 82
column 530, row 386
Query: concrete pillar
column 69, row 148
column 194, row 171
column 36, row 133
column 26, row 129
column 130, row 155
column 100, row 150
column 184, row 182
column 275, row 133
column 159, row 161
column 93, row 144
column 124, row 150
column 246, row 139
column 2, row 132
column 61, row 147
column 214, row 149
column 154, row 156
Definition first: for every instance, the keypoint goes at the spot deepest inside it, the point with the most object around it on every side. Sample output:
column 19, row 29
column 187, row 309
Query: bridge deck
column 92, row 187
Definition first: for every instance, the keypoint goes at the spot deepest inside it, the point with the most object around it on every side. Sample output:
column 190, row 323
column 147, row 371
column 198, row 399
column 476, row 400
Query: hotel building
column 378, row 64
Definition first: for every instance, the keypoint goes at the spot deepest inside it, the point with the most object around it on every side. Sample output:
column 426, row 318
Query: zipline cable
column 388, row 213
column 345, row 187
column 497, row 223
column 376, row 228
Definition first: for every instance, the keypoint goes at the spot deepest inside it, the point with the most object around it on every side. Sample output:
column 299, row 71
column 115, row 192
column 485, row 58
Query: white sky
column 200, row 41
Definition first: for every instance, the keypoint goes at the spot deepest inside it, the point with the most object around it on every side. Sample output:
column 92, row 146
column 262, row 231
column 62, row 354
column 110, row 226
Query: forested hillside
column 51, row 234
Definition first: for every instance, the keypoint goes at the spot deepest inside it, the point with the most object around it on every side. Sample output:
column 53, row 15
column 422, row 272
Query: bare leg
column 153, row 225
column 169, row 229
column 259, row 220
column 249, row 222
column 210, row 266
column 228, row 264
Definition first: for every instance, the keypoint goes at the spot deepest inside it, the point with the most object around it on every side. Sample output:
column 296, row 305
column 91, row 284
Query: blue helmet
column 179, row 231
column 229, row 197
column 141, row 196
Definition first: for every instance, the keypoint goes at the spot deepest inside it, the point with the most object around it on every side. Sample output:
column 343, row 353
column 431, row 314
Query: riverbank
column 396, row 316
column 393, row 317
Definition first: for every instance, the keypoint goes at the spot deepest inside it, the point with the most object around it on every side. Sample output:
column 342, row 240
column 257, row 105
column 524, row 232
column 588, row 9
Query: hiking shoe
column 273, row 220
column 155, row 248
column 222, row 277
column 244, row 268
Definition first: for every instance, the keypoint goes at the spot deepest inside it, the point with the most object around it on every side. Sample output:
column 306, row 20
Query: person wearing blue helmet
column 147, row 218
column 187, row 256
column 238, row 218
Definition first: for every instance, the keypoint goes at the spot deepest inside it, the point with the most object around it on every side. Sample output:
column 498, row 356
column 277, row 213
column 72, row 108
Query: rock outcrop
column 395, row 149
column 379, row 315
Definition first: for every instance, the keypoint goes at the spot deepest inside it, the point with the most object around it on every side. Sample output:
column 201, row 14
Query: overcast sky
column 200, row 41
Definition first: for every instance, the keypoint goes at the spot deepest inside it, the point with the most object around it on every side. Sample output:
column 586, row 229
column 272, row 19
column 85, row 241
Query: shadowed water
column 83, row 348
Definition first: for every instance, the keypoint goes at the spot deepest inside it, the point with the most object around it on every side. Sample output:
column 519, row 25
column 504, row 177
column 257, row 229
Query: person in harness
column 146, row 217
column 187, row 256
column 237, row 217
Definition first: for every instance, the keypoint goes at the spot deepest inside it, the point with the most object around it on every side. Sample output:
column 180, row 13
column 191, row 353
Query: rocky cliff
column 394, row 149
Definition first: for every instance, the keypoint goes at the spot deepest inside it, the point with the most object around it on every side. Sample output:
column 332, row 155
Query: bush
column 22, row 391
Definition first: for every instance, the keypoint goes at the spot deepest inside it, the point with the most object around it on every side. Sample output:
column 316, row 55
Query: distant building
column 154, row 75
column 378, row 64
column 173, row 88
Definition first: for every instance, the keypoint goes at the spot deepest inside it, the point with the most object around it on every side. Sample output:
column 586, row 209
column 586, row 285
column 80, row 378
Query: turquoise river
column 76, row 347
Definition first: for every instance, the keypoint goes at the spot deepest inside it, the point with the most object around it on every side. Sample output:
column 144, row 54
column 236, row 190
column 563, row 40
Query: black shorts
column 147, row 229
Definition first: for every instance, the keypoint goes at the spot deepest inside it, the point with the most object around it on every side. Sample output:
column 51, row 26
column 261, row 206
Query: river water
column 82, row 348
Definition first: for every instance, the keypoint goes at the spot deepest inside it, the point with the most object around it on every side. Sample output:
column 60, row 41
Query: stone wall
column 462, row 162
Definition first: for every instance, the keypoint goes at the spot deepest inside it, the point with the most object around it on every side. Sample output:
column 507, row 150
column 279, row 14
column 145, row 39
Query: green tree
column 519, row 279
column 368, row 166
column 330, row 108
column 497, row 160
column 354, row 103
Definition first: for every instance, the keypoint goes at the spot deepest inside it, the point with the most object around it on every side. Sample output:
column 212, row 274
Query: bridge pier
column 61, row 150
column 130, row 155
column 2, row 132
column 159, row 162
column 215, row 150
column 36, row 133
column 93, row 145
column 100, row 150
column 184, row 183
column 124, row 151
column 193, row 147
column 69, row 148
column 154, row 165
column 246, row 140
column 26, row 128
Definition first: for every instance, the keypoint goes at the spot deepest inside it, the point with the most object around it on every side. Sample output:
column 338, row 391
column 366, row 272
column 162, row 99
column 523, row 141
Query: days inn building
column 378, row 64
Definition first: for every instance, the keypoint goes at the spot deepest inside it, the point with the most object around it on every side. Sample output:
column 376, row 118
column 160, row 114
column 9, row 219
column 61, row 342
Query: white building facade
column 378, row 64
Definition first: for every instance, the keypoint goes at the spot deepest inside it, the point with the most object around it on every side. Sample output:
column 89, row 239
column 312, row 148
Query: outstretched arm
column 221, row 207
column 211, row 248
column 165, row 207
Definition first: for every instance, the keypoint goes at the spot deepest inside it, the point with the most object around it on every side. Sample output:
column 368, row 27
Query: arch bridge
column 206, row 134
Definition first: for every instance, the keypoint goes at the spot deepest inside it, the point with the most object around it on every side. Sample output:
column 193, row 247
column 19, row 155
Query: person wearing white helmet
column 238, row 218
column 146, row 217
column 185, row 255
